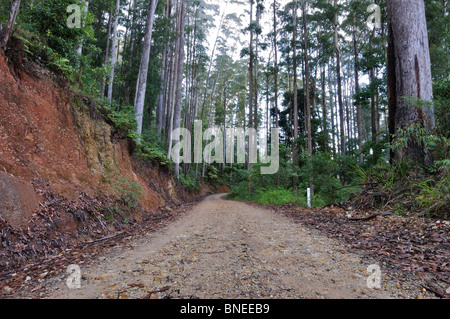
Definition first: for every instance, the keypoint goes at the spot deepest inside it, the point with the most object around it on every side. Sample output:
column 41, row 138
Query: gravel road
column 228, row 249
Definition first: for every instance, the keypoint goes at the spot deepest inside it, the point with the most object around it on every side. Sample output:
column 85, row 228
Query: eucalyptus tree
column 275, row 50
column 337, row 9
column 114, row 48
column 8, row 29
column 143, row 69
column 356, row 23
column 295, row 115
column 409, row 75
column 180, row 61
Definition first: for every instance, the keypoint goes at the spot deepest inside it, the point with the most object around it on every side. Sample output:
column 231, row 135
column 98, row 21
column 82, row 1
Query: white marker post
column 308, row 195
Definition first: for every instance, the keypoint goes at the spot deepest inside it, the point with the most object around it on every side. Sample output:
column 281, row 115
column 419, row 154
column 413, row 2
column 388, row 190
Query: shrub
column 279, row 196
column 128, row 192
column 190, row 182
column 267, row 196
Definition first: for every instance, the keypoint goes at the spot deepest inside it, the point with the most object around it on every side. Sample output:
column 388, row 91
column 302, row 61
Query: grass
column 267, row 196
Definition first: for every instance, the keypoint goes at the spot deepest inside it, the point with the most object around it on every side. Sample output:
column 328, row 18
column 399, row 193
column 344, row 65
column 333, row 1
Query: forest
column 324, row 73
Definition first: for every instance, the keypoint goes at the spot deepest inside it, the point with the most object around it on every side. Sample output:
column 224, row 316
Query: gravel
column 228, row 249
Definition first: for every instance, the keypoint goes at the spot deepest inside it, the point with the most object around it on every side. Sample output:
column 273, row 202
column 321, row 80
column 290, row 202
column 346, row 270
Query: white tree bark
column 108, row 38
column 113, row 50
column 85, row 9
column 177, row 110
column 6, row 34
column 143, row 69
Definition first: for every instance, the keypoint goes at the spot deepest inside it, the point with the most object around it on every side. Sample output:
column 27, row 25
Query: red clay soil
column 40, row 138
column 55, row 145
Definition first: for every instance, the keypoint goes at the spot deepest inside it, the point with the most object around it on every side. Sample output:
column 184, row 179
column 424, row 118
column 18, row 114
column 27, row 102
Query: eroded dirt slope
column 56, row 149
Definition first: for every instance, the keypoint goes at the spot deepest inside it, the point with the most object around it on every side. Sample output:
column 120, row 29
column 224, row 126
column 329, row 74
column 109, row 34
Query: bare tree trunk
column 143, row 69
column 307, row 98
column 113, row 50
column 177, row 110
column 251, row 81
column 295, row 115
column 105, row 61
column 127, row 92
column 324, row 108
column 314, row 103
column 160, row 111
column 212, row 59
column 267, row 104
column 409, row 74
column 258, row 19
column 373, row 108
column 339, row 84
column 224, row 125
column 172, row 93
column 306, row 84
column 85, row 9
column 358, row 104
column 8, row 30
column 162, row 94
column 332, row 104
column 275, row 48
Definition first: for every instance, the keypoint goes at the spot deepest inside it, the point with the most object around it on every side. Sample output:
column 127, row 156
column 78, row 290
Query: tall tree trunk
column 306, row 84
column 113, row 50
column 307, row 98
column 275, row 48
column 170, row 93
column 258, row 19
column 127, row 89
column 267, row 103
column 173, row 85
column 409, row 74
column 8, row 30
column 106, row 58
column 251, row 82
column 339, row 85
column 128, row 36
column 162, row 94
column 324, row 108
column 85, row 9
column 357, row 89
column 164, row 76
column 314, row 104
column 295, row 115
column 177, row 110
column 373, row 106
column 224, row 125
column 332, row 105
column 211, row 60
column 143, row 68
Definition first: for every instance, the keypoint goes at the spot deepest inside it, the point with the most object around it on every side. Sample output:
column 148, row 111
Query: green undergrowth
column 406, row 187
column 267, row 196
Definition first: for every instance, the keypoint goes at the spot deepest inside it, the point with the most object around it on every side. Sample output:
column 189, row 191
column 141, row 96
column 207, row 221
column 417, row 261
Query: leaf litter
column 418, row 245
column 46, row 247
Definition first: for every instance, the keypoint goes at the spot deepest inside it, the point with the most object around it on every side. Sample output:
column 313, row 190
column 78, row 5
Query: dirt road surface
column 228, row 249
